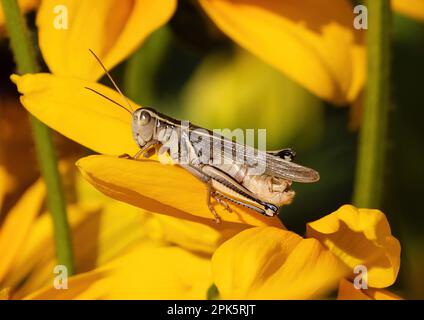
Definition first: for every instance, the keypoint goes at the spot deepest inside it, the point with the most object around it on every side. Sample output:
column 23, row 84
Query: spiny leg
column 210, row 192
column 208, row 199
column 222, row 202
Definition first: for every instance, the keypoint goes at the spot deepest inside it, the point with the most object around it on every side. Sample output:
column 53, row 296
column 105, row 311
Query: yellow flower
column 140, row 256
column 66, row 106
column 305, row 268
column 118, row 29
column 348, row 237
column 27, row 246
column 324, row 53
column 147, row 272
column 111, row 242
column 195, row 237
column 288, row 35
column 360, row 237
column 257, row 263
column 347, row 291
column 102, row 229
column 270, row 263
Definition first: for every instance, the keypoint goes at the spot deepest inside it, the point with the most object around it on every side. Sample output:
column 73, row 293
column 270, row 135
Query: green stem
column 369, row 184
column 26, row 61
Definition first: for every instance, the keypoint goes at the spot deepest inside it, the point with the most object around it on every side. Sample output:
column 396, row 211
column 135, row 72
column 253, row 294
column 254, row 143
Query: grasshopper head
column 143, row 125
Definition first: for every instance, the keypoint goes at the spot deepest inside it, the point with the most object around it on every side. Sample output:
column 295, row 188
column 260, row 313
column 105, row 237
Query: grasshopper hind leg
column 213, row 195
column 268, row 209
column 222, row 202
column 210, row 195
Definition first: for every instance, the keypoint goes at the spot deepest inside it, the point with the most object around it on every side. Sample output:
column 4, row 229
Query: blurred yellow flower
column 63, row 104
column 150, row 271
column 118, row 29
column 323, row 53
column 102, row 229
column 15, row 228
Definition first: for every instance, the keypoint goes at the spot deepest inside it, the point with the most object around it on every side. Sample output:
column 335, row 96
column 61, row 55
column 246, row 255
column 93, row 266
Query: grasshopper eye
column 144, row 118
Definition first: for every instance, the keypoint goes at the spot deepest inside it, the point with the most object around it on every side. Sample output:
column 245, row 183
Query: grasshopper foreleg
column 146, row 151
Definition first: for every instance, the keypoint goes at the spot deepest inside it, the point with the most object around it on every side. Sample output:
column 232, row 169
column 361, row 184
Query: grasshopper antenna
column 107, row 98
column 113, row 82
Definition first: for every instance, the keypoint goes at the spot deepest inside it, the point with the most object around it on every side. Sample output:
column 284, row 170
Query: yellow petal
column 15, row 228
column 411, row 8
column 24, row 5
column 99, row 235
column 360, row 237
column 347, row 291
column 119, row 27
column 271, row 263
column 39, row 247
column 79, row 114
column 193, row 236
column 312, row 42
column 149, row 272
column 159, row 188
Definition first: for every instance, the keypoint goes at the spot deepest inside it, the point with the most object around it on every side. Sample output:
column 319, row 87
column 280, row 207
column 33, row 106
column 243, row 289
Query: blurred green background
column 190, row 70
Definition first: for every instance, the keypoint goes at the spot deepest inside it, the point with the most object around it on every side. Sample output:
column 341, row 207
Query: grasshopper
column 229, row 169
